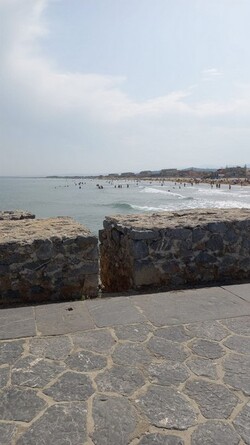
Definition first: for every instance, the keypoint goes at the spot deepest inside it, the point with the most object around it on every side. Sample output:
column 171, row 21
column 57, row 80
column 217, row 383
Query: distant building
column 127, row 174
column 169, row 172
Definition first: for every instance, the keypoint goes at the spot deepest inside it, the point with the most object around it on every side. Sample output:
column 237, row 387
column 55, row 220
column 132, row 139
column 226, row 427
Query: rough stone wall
column 174, row 249
column 47, row 259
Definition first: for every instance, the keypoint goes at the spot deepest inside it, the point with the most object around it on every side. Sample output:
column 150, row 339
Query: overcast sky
column 99, row 86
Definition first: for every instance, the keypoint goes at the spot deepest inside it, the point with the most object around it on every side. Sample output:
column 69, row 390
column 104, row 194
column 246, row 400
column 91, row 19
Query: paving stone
column 115, row 420
column 4, row 376
column 214, row 433
column 34, row 372
column 10, row 351
column 55, row 348
column 174, row 333
column 16, row 323
column 7, row 433
column 98, row 341
column 239, row 325
column 63, row 318
column 206, row 348
column 167, row 373
column 20, row 404
column 238, row 344
column 241, row 290
column 121, row 379
column 237, row 372
column 170, row 350
column 131, row 354
column 242, row 423
column 62, row 424
column 167, row 408
column 113, row 312
column 214, row 400
column 71, row 386
column 135, row 332
column 190, row 306
column 211, row 330
column 159, row 439
column 203, row 367
column 85, row 361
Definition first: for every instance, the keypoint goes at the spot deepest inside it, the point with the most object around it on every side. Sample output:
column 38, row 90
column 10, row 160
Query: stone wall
column 175, row 249
column 47, row 259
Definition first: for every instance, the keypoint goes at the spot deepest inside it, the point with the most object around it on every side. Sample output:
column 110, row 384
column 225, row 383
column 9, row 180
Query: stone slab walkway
column 166, row 369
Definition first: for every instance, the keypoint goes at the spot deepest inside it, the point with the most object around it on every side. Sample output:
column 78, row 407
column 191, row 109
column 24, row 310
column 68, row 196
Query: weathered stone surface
column 55, row 319
column 134, row 332
column 86, row 361
column 210, row 330
column 170, row 350
column 55, row 348
column 203, row 367
column 173, row 333
column 168, row 373
column 4, row 376
column 214, row 400
column 14, row 215
column 242, row 423
column 159, row 439
column 174, row 248
column 239, row 325
column 115, row 420
column 43, row 257
column 60, row 425
column 242, row 290
column 167, row 408
column 237, row 372
column 206, row 348
column 71, row 386
column 238, row 344
column 34, row 372
column 7, row 433
column 20, row 404
column 121, row 379
column 214, row 433
column 10, row 351
column 190, row 306
column 131, row 354
column 113, row 312
column 98, row 341
column 17, row 324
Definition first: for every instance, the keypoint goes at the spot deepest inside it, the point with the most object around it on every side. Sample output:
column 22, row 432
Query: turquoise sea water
column 89, row 204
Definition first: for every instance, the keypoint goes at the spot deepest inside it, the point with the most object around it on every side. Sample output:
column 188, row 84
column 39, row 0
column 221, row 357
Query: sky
column 94, row 86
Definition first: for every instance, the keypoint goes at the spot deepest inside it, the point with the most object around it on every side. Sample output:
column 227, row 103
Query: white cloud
column 44, row 107
column 211, row 74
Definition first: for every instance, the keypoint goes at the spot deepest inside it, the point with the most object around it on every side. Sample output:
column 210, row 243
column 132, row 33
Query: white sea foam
column 159, row 191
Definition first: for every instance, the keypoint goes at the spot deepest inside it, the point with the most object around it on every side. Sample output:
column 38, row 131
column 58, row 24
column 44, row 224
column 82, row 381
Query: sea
column 90, row 200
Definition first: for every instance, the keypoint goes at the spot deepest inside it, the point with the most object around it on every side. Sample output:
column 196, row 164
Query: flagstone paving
column 165, row 369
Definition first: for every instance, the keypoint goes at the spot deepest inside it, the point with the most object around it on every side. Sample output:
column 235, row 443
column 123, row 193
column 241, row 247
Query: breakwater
column 58, row 258
column 175, row 249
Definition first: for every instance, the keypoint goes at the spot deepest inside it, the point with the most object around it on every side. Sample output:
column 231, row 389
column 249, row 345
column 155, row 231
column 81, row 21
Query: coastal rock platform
column 166, row 369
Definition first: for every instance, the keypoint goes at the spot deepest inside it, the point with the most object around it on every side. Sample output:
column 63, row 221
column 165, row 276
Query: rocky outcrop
column 13, row 215
column 174, row 249
column 47, row 259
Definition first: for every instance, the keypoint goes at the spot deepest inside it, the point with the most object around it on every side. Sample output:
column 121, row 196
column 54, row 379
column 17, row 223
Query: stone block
column 47, row 259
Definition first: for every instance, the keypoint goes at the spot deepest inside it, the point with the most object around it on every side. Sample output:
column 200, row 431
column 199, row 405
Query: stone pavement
column 166, row 369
